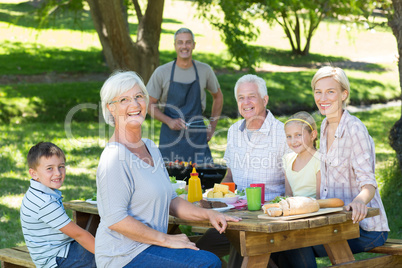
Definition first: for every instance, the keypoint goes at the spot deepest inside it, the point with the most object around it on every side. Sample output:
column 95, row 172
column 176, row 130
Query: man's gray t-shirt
column 158, row 85
column 127, row 186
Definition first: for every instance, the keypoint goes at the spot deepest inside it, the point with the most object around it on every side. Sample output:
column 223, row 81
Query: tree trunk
column 395, row 22
column 121, row 52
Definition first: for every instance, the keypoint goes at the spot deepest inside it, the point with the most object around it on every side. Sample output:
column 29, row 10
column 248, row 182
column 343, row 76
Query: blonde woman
column 347, row 168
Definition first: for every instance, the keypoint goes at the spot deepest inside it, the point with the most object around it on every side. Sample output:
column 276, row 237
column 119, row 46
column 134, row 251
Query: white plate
column 91, row 202
column 227, row 200
column 229, row 207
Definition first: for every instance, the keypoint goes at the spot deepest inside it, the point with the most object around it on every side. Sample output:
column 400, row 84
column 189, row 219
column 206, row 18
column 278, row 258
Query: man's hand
column 210, row 132
column 176, row 124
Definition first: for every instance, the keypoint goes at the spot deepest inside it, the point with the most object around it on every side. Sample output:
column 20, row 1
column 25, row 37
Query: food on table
column 330, row 203
column 292, row 206
column 278, row 199
column 172, row 179
column 93, row 197
column 180, row 191
column 212, row 204
column 241, row 193
column 220, row 191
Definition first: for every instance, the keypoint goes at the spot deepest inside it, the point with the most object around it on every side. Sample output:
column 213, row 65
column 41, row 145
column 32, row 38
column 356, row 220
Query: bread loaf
column 299, row 205
column 292, row 206
column 330, row 203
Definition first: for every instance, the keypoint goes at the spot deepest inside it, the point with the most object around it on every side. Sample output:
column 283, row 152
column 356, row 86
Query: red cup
column 262, row 185
column 232, row 186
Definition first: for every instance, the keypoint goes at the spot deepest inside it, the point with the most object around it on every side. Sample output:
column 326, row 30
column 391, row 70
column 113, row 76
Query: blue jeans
column 156, row 256
column 78, row 257
column 305, row 257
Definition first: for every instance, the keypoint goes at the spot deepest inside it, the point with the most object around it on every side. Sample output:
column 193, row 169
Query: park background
column 50, row 82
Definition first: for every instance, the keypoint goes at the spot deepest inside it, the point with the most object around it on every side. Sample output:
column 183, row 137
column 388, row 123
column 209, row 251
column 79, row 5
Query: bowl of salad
column 177, row 184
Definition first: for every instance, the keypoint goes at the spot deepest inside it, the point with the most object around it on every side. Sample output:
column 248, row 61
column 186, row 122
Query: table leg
column 256, row 261
column 339, row 252
column 86, row 221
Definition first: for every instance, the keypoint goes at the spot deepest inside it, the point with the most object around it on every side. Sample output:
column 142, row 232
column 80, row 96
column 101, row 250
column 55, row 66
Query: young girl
column 302, row 166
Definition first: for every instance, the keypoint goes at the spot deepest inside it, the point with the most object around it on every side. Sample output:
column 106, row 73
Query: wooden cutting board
column 300, row 216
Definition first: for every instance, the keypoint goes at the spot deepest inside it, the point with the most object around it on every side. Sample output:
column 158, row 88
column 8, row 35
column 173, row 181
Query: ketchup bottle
column 194, row 187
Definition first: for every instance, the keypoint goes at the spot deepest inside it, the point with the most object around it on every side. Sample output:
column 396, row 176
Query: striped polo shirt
column 42, row 215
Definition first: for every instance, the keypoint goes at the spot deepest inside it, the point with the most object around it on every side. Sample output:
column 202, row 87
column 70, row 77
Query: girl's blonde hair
column 306, row 120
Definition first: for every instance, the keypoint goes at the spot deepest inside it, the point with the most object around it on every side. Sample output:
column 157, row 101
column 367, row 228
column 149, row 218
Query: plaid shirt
column 348, row 165
column 258, row 159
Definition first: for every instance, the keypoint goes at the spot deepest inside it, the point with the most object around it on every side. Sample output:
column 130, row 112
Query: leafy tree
column 110, row 18
column 299, row 20
column 395, row 22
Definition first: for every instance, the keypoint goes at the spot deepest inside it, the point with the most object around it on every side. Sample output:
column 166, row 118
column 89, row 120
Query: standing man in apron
column 177, row 98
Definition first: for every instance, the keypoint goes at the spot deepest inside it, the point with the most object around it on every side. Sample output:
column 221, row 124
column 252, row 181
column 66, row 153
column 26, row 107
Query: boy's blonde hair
column 46, row 149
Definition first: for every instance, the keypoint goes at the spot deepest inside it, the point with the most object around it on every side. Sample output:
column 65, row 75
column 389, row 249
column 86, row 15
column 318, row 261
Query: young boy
column 48, row 231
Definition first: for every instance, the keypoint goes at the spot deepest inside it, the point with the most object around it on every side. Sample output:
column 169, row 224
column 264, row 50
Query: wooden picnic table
column 257, row 238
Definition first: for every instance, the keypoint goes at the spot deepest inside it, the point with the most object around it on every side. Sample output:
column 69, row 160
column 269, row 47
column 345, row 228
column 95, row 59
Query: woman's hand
column 219, row 220
column 358, row 205
column 179, row 241
column 359, row 210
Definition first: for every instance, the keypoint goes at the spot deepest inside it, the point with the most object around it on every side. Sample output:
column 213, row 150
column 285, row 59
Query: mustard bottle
column 194, row 187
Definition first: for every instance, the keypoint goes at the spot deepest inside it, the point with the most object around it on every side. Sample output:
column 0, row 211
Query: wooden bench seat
column 391, row 247
column 16, row 257
column 392, row 258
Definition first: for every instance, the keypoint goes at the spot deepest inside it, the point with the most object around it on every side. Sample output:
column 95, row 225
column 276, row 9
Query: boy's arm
column 86, row 239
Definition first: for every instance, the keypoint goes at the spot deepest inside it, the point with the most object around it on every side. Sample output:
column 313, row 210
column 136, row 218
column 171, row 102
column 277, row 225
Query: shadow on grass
column 313, row 61
column 14, row 186
column 391, row 192
column 29, row 58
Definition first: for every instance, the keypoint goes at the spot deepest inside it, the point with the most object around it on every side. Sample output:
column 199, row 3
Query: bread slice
column 274, row 212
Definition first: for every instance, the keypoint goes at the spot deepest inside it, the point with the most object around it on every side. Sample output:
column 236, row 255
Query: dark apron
column 184, row 101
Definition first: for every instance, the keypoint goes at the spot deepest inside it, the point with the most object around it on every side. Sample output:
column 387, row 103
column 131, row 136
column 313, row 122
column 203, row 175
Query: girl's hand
column 359, row 210
column 179, row 241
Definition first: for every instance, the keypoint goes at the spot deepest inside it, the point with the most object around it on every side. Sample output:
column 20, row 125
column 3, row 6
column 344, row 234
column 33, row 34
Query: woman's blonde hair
column 307, row 122
column 337, row 74
column 118, row 83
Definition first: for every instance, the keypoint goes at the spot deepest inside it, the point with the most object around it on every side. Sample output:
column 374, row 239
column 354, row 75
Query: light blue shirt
column 42, row 216
column 127, row 186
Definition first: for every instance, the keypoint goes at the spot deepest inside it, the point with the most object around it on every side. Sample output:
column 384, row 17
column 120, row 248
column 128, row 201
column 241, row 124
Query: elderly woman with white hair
column 134, row 194
column 347, row 168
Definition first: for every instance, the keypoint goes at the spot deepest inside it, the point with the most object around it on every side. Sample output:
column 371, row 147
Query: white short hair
column 251, row 78
column 118, row 83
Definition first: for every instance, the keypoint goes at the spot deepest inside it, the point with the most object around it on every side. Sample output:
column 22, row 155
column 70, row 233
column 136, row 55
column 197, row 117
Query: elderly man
column 257, row 143
column 254, row 153
column 177, row 98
